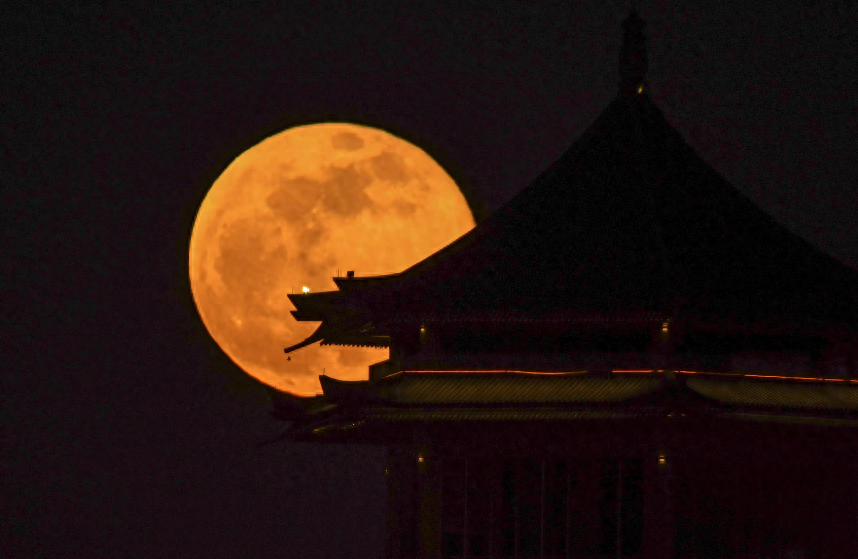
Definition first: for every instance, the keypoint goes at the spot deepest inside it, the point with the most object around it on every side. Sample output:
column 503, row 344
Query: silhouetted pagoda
column 628, row 359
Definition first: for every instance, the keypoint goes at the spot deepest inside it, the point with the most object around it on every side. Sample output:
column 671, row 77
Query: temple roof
column 629, row 221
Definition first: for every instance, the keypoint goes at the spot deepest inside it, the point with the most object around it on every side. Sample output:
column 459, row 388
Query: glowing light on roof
column 624, row 371
column 740, row 375
column 305, row 289
column 491, row 371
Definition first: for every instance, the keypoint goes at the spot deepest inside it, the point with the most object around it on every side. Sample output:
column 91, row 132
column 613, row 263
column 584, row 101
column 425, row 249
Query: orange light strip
column 633, row 371
column 684, row 372
column 496, row 371
column 817, row 379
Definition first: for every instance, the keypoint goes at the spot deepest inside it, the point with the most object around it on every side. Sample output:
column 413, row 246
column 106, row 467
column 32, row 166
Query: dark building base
column 683, row 489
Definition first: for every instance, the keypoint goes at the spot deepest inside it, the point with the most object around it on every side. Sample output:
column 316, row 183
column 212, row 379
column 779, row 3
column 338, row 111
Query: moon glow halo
column 292, row 211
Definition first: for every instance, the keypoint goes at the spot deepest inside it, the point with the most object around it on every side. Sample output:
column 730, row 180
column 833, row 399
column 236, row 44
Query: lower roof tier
column 434, row 388
column 532, row 396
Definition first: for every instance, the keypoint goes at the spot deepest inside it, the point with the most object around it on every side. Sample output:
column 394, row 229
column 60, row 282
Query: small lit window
column 640, row 89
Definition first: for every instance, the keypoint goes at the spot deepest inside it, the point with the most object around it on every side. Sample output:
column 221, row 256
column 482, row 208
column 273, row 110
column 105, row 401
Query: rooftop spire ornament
column 633, row 57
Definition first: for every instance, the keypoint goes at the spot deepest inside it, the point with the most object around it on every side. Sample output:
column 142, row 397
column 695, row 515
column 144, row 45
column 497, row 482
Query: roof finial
column 633, row 57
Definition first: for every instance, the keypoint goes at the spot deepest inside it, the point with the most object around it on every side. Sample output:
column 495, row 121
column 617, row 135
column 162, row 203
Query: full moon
column 293, row 211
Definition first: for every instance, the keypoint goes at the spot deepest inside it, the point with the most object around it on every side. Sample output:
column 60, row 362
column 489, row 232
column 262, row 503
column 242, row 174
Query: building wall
column 618, row 490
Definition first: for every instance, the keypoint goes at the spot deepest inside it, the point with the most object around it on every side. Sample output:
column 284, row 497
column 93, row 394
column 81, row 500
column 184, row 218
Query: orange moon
column 292, row 211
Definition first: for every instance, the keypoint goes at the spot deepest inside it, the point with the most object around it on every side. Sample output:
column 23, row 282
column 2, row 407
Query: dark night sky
column 125, row 430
